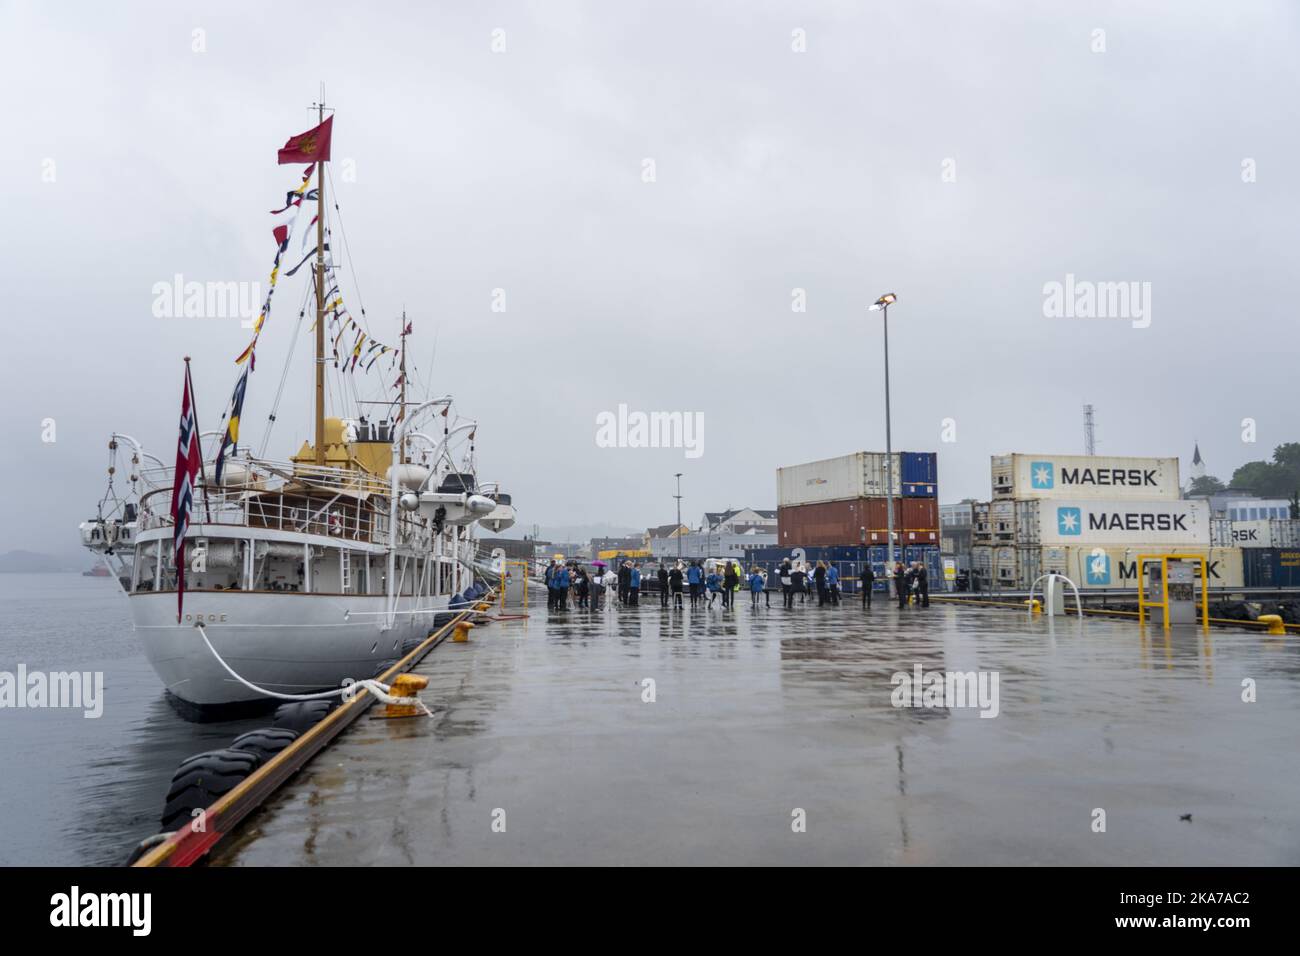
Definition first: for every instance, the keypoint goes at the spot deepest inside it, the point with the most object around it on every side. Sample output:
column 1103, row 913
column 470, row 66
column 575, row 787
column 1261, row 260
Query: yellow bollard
column 1036, row 606
column 1274, row 622
column 461, row 632
column 405, row 685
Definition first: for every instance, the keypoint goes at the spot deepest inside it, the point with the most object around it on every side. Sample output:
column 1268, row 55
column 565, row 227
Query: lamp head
column 887, row 299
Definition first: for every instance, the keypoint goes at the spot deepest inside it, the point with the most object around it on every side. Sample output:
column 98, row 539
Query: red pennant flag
column 308, row 147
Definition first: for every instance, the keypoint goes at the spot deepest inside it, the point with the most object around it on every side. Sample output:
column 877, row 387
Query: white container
column 1002, row 521
column 1113, row 522
column 1264, row 533
column 1082, row 476
column 860, row 475
column 1220, row 533
column 1094, row 566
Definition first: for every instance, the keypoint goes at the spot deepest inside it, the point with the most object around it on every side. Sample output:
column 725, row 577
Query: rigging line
column 347, row 250
column 280, row 390
column 284, row 374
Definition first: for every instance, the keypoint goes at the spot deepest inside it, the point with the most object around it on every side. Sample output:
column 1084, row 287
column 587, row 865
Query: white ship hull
column 290, row 643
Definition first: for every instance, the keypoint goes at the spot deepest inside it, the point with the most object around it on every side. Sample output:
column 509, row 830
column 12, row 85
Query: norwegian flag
column 188, row 460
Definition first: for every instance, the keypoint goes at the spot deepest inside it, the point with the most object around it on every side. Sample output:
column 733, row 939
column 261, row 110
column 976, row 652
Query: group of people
column 725, row 580
column 588, row 589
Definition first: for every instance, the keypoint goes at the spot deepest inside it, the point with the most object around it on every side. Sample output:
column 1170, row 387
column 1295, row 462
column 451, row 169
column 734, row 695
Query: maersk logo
column 1135, row 521
column 1069, row 521
column 1041, row 474
column 1098, row 568
column 1109, row 477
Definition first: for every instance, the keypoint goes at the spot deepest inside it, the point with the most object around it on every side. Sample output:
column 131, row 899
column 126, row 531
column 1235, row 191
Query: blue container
column 919, row 467
column 920, row 474
column 1271, row 567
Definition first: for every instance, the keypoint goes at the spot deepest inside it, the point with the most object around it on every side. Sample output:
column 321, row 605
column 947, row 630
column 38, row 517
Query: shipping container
column 981, row 523
column 1095, row 566
column 1091, row 566
column 1084, row 476
column 1262, row 533
column 860, row 475
column 1220, row 533
column 1271, row 567
column 1002, row 521
column 919, row 466
column 857, row 522
column 920, row 471
column 1070, row 521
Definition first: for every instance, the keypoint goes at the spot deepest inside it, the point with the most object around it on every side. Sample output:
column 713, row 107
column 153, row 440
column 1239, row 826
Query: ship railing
column 340, row 516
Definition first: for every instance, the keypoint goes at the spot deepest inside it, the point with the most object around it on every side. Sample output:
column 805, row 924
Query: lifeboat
column 501, row 516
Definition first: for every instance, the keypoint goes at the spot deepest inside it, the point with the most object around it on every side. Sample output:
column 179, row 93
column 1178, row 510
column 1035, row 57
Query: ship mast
column 402, row 379
column 320, row 298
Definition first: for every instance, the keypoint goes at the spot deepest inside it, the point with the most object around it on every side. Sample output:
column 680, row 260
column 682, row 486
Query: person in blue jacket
column 714, row 583
column 635, row 588
column 561, row 582
column 833, row 582
column 757, row 586
column 694, row 580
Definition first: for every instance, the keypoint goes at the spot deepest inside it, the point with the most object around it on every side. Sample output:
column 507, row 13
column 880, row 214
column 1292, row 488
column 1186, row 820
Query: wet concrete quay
column 762, row 718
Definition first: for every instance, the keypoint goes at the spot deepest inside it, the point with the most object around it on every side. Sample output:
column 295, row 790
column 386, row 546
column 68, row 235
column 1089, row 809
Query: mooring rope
column 377, row 688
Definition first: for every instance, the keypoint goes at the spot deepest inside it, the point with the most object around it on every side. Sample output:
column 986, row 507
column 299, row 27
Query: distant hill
column 29, row 562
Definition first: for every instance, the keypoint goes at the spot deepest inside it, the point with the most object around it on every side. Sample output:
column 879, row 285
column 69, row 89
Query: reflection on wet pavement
column 646, row 736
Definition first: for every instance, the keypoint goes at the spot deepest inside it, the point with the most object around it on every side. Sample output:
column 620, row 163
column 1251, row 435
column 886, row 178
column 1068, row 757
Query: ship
column 308, row 572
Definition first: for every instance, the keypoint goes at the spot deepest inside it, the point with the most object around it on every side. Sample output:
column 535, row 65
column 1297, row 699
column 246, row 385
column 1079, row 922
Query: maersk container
column 1084, row 476
column 1109, row 522
column 1094, row 566
column 860, row 475
column 1271, row 567
column 1262, row 533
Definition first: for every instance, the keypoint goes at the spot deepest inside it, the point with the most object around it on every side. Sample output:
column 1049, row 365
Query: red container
column 918, row 514
column 857, row 521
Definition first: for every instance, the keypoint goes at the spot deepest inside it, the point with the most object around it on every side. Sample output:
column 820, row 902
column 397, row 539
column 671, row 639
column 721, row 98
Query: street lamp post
column 678, row 496
column 882, row 305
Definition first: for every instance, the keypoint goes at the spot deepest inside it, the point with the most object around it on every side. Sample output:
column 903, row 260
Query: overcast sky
column 774, row 170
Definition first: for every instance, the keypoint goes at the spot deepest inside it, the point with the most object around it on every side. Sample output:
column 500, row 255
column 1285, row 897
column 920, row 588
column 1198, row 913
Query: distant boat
column 99, row 571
